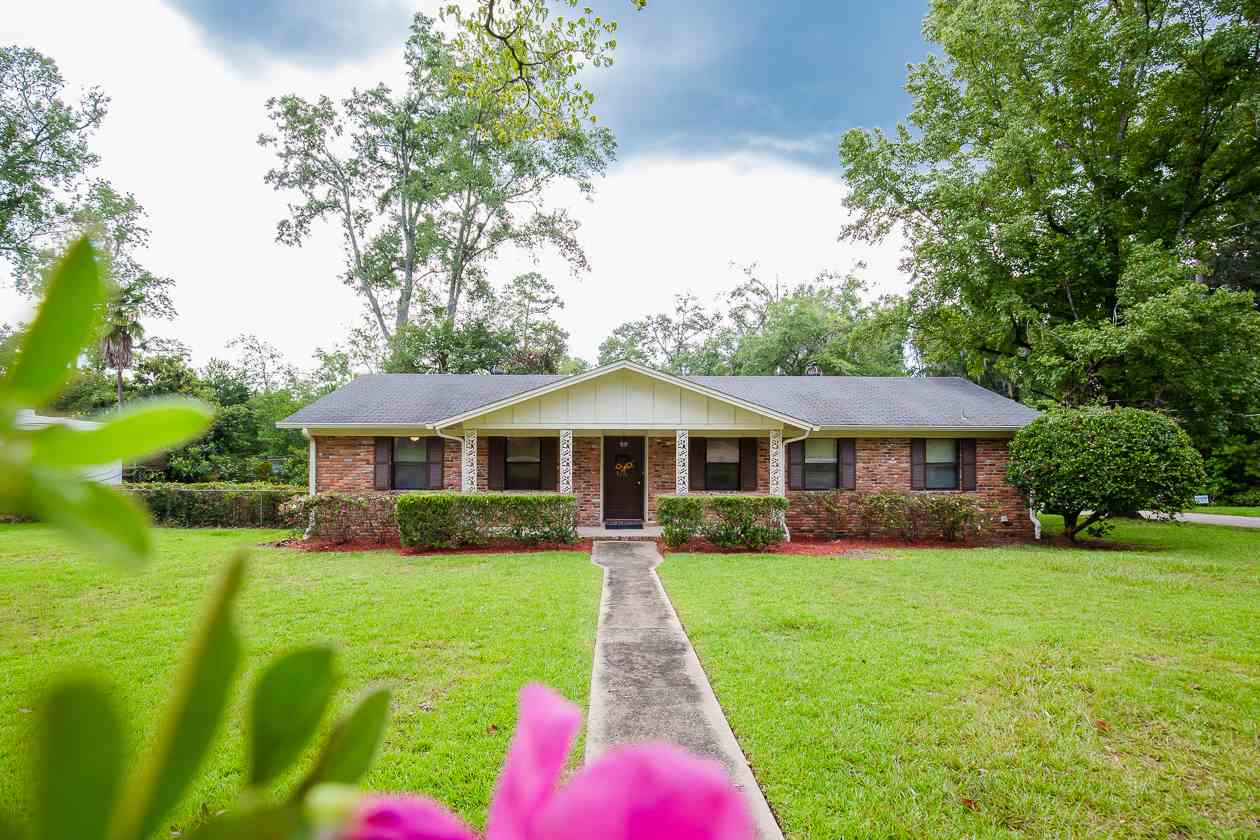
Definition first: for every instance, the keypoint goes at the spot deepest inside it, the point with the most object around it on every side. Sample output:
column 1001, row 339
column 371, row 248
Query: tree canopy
column 766, row 328
column 1078, row 185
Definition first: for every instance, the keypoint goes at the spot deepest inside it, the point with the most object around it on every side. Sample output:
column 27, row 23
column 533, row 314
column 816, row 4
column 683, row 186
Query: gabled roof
column 810, row 402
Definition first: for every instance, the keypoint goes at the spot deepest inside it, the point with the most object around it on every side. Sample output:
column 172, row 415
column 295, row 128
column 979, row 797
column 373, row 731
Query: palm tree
column 123, row 332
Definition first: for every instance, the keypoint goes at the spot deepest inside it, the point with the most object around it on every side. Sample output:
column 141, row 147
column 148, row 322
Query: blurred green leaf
column 141, row 429
column 267, row 822
column 104, row 520
column 80, row 761
column 288, row 703
column 353, row 743
column 190, row 722
column 60, row 330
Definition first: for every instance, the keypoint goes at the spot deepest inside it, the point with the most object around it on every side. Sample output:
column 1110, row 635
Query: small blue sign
column 1201, row 500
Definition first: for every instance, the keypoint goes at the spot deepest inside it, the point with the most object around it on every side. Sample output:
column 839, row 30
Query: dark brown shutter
column 796, row 465
column 497, row 474
column 437, row 448
column 698, row 456
column 549, row 451
column 383, row 464
column 967, row 463
column 918, row 467
column 848, row 464
column 748, row 465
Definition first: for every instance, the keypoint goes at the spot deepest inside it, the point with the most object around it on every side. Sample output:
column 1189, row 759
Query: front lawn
column 454, row 636
column 998, row 692
column 1228, row 510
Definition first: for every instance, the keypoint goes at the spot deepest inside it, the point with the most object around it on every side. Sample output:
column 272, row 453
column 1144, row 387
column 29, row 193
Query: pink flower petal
column 406, row 818
column 535, row 758
column 649, row 792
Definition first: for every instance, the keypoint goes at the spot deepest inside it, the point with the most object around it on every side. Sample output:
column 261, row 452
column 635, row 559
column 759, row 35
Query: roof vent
column 813, row 369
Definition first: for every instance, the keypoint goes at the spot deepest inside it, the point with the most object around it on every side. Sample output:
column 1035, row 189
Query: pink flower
column 648, row 792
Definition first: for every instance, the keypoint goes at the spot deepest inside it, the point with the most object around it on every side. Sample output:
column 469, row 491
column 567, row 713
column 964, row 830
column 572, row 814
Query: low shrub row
column 449, row 520
column 751, row 522
column 217, row 505
column 894, row 513
column 340, row 517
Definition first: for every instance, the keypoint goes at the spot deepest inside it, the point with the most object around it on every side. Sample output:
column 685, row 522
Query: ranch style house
column 619, row 436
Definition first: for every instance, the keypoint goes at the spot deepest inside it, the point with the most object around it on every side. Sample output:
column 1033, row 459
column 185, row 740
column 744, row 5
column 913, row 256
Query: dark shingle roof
column 411, row 398
column 866, row 401
column 914, row 402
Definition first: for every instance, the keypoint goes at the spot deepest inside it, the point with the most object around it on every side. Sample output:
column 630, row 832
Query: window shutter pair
column 496, row 478
column 548, row 453
column 436, row 457
column 846, row 464
column 383, row 464
column 698, row 457
column 966, row 464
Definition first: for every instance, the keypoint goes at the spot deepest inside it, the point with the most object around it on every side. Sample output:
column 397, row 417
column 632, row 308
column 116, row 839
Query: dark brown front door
column 623, row 478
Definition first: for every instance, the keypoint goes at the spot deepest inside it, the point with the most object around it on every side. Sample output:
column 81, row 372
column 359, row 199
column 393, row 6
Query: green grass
column 454, row 636
column 1026, row 691
column 1227, row 510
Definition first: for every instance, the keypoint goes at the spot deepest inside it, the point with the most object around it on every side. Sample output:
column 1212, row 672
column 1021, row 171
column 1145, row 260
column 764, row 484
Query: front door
column 623, row 478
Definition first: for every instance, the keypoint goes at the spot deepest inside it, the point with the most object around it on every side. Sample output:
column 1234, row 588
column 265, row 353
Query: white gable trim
column 596, row 373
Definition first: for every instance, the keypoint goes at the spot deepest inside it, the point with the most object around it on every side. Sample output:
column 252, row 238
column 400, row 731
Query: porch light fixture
column 413, row 438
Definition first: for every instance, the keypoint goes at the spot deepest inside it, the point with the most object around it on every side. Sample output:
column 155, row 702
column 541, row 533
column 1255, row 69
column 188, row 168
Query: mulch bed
column 492, row 547
column 813, row 548
column 800, row 547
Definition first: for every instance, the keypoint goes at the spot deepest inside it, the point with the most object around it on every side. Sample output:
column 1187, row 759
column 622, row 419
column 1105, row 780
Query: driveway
column 1215, row 519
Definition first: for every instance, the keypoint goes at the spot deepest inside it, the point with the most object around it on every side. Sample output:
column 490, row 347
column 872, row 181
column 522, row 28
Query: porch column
column 468, row 462
column 777, row 487
column 566, row 461
column 682, row 462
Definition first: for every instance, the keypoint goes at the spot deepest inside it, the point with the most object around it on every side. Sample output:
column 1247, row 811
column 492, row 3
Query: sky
column 727, row 115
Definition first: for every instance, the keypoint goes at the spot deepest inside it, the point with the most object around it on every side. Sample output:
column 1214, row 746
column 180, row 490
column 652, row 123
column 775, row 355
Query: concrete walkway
column 647, row 682
column 1216, row 519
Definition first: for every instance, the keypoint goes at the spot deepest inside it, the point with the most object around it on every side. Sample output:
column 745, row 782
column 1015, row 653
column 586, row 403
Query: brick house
column 621, row 435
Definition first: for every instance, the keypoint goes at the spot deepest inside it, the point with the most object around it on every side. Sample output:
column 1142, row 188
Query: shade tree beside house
column 621, row 436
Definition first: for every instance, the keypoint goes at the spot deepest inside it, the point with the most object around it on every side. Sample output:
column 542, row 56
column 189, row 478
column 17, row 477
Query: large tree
column 1069, row 176
column 427, row 186
column 44, row 152
column 768, row 328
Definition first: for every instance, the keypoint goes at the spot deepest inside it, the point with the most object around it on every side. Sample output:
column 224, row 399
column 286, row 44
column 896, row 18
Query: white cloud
column 181, row 136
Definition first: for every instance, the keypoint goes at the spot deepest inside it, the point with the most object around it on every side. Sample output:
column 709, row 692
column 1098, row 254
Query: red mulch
column 803, row 547
column 492, row 547
column 813, row 548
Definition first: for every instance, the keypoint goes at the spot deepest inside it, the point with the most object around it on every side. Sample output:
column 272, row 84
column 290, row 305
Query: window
column 721, row 464
column 820, row 464
column 524, row 464
column 411, row 464
column 941, row 464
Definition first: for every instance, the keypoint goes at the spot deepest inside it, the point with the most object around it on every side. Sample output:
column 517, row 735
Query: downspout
column 1032, row 514
column 783, row 462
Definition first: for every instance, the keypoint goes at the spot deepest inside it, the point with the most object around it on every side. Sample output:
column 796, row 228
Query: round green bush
column 1088, row 464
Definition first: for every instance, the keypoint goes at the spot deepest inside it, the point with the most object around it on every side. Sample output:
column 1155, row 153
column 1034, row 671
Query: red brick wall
column 344, row 463
column 661, row 473
column 347, row 463
column 884, row 464
column 662, row 468
column 586, row 480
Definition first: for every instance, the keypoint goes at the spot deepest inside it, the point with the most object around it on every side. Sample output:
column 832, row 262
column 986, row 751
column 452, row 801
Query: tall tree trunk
column 118, row 383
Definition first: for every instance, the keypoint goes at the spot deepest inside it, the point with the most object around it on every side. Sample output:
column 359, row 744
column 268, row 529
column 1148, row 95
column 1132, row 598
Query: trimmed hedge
column 217, row 505
column 916, row 516
column 751, row 522
column 449, row 520
column 341, row 517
